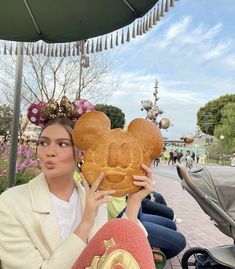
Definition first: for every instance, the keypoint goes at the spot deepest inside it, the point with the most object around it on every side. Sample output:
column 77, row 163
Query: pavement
column 196, row 226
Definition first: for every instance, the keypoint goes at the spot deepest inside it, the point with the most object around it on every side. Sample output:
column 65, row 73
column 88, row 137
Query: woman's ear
column 80, row 156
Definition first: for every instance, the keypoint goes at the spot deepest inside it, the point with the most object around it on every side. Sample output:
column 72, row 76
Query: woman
column 155, row 204
column 162, row 231
column 163, row 234
column 48, row 222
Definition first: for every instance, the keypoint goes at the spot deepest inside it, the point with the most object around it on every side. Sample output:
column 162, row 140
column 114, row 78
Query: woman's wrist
column 132, row 209
column 83, row 230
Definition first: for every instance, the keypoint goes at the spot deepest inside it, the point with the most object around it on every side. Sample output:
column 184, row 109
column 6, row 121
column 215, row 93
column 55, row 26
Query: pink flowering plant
column 26, row 159
column 26, row 165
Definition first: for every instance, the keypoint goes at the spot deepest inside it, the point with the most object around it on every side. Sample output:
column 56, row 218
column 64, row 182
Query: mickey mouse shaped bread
column 117, row 153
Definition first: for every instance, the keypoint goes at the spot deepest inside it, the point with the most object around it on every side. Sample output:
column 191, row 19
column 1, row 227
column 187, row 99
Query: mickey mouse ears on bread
column 93, row 125
column 89, row 128
column 118, row 153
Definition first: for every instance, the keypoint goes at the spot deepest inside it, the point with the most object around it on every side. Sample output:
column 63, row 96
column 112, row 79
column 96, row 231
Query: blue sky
column 191, row 52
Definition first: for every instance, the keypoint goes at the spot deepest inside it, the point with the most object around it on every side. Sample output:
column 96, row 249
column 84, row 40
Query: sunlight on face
column 56, row 152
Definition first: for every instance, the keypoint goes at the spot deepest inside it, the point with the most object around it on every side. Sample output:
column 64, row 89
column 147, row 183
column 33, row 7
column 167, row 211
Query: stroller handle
column 183, row 174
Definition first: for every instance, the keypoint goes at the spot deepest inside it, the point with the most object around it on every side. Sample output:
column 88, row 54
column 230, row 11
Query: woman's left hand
column 143, row 181
column 135, row 199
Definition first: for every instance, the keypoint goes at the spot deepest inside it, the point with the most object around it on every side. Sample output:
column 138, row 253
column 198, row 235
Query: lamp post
column 222, row 151
column 153, row 111
column 84, row 63
column 207, row 123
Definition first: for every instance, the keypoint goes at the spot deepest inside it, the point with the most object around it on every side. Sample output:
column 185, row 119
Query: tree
column 47, row 77
column 209, row 116
column 227, row 127
column 5, row 119
column 115, row 114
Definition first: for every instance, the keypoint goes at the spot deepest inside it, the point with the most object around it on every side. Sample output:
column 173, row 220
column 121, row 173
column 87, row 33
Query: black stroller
column 214, row 190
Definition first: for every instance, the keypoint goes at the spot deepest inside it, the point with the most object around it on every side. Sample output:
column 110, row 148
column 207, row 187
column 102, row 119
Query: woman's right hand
column 94, row 199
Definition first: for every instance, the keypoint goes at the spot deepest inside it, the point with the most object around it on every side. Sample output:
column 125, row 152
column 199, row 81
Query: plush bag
column 119, row 244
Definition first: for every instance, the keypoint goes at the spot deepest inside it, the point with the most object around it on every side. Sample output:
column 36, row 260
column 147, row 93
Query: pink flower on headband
column 82, row 106
column 34, row 113
column 40, row 113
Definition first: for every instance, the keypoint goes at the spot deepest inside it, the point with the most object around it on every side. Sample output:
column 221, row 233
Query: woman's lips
column 50, row 165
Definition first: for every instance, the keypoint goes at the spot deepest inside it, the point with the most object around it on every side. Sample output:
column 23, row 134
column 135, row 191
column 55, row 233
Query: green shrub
column 21, row 178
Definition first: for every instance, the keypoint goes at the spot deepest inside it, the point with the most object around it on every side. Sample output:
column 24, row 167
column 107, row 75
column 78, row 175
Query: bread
column 116, row 152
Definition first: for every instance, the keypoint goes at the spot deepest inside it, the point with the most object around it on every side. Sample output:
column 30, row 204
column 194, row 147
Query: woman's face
column 56, row 152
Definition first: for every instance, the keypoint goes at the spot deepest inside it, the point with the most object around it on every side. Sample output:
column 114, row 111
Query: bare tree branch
column 47, row 77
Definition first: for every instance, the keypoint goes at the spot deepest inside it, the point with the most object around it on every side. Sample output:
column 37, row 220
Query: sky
column 190, row 52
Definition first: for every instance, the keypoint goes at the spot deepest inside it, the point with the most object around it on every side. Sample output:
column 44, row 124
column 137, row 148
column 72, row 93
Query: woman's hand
column 143, row 181
column 135, row 199
column 94, row 199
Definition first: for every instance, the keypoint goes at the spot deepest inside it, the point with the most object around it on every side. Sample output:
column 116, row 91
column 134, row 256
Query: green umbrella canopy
column 57, row 21
column 66, row 20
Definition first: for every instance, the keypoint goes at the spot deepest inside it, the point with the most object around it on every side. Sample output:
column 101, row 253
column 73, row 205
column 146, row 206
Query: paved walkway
column 196, row 225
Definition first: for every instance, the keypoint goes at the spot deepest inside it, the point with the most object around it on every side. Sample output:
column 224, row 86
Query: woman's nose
column 51, row 152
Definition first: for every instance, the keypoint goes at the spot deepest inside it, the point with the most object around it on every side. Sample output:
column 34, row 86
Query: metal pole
column 80, row 79
column 16, row 116
column 155, row 95
column 81, row 53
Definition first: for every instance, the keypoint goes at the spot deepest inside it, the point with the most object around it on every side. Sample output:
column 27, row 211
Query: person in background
column 156, row 162
column 171, row 158
column 175, row 156
column 162, row 231
column 193, row 155
column 165, row 156
column 189, row 161
column 179, row 156
column 155, row 204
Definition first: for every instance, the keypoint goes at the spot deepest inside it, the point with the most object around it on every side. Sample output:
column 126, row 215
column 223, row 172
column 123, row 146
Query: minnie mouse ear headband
column 40, row 113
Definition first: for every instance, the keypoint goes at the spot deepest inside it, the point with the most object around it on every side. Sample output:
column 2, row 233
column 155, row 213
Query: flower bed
column 27, row 165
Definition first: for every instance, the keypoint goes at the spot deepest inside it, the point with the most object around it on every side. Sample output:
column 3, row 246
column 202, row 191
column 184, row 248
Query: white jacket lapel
column 50, row 231
column 41, row 203
column 82, row 196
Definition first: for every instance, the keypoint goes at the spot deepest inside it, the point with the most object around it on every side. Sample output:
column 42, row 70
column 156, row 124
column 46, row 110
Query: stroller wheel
column 189, row 258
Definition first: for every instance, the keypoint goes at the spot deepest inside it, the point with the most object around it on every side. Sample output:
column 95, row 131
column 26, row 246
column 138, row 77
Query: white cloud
column 200, row 34
column 174, row 31
column 178, row 28
column 213, row 31
column 219, row 50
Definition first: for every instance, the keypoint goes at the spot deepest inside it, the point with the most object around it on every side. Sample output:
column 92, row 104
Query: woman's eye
column 43, row 143
column 64, row 144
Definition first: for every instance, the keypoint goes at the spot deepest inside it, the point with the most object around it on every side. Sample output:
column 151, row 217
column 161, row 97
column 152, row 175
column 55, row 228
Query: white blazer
column 29, row 234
